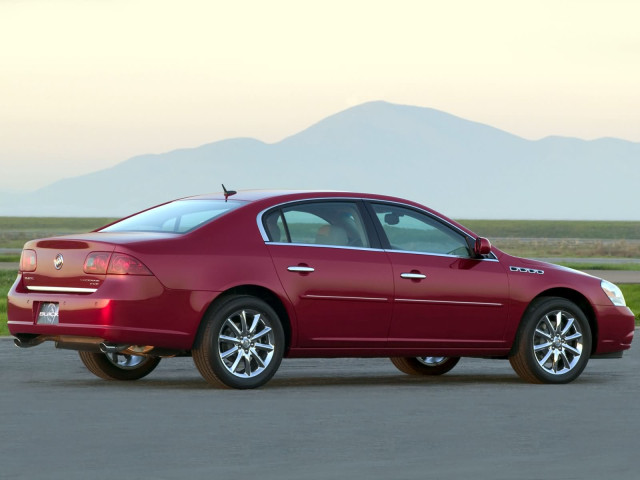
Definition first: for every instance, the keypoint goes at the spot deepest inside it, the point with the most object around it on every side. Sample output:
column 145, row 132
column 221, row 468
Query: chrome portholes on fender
column 240, row 343
column 553, row 343
column 424, row 365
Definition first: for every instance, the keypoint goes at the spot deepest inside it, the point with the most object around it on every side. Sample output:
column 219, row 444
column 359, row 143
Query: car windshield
column 180, row 216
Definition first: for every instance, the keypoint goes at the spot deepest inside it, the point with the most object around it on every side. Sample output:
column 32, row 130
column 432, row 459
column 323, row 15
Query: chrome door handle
column 300, row 269
column 413, row 276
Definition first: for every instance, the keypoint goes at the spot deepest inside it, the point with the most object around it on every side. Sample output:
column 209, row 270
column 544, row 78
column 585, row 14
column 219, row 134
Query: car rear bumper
column 135, row 310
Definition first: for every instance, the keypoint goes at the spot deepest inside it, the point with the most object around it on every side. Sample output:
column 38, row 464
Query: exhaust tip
column 112, row 348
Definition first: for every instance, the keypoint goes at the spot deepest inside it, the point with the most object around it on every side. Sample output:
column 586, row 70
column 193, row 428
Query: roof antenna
column 228, row 193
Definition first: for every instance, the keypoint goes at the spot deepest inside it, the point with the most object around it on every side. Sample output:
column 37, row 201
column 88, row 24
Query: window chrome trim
column 265, row 237
column 62, row 289
column 444, row 255
column 286, row 244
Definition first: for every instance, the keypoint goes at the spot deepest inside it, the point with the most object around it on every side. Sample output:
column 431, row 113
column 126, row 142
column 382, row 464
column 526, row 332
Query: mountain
column 462, row 168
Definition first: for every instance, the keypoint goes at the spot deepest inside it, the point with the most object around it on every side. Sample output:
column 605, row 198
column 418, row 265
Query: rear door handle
column 413, row 276
column 301, row 269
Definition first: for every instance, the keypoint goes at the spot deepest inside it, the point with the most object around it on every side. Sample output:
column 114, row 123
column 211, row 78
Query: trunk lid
column 59, row 265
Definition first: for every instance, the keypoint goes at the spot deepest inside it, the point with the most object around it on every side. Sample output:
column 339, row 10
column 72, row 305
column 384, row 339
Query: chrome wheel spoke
column 263, row 346
column 542, row 346
column 573, row 350
column 549, row 325
column 243, row 322
column 573, row 336
column 544, row 334
column 565, row 359
column 226, row 338
column 544, row 360
column 570, row 322
column 558, row 328
column 257, row 358
column 229, row 352
column 247, row 365
column 233, row 326
column 556, row 356
column 254, row 323
column 234, row 367
column 262, row 333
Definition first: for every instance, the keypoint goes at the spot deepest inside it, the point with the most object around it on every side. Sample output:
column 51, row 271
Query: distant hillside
column 463, row 168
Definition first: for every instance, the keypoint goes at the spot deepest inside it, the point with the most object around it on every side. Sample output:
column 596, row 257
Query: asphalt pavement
column 317, row 419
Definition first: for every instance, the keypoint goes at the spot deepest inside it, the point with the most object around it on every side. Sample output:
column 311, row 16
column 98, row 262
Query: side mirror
column 482, row 246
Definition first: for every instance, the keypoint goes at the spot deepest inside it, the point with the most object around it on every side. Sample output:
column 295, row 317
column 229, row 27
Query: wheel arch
column 580, row 300
column 262, row 293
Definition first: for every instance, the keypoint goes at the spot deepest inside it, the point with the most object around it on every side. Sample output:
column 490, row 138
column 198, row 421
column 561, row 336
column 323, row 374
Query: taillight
column 122, row 264
column 28, row 261
column 101, row 263
column 96, row 263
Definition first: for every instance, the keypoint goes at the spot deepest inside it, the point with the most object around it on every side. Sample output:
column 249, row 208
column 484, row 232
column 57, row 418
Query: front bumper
column 616, row 326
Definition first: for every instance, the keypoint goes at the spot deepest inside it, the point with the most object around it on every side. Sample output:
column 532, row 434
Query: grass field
column 554, row 229
column 545, row 238
column 15, row 231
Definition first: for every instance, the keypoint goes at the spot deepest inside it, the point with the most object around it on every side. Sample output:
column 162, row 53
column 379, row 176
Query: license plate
column 48, row 314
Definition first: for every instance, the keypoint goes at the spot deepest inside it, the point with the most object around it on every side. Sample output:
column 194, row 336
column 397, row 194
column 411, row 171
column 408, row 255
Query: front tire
column 117, row 366
column 424, row 365
column 553, row 343
column 240, row 344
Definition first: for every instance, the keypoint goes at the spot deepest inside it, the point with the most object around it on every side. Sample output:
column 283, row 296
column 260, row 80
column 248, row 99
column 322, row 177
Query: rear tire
column 117, row 366
column 553, row 343
column 424, row 365
column 240, row 344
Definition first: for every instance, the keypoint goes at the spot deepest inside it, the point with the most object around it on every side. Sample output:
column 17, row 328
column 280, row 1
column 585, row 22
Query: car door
column 340, row 285
column 443, row 296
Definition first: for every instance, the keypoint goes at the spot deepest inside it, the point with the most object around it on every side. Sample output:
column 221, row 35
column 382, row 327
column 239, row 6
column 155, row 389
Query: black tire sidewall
column 536, row 312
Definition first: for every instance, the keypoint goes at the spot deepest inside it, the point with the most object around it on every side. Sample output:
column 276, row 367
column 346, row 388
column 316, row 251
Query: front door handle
column 301, row 269
column 413, row 276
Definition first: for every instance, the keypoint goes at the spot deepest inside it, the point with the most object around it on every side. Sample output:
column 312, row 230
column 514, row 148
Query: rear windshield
column 180, row 216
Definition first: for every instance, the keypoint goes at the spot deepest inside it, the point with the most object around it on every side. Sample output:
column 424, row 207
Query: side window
column 412, row 231
column 274, row 226
column 318, row 223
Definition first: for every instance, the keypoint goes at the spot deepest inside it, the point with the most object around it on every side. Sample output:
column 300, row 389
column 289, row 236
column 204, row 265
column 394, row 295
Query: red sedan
column 239, row 282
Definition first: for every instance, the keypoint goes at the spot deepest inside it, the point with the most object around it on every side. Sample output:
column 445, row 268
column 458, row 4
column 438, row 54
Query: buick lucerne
column 239, row 281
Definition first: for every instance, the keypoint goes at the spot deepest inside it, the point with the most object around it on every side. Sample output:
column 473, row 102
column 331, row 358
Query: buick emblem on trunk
column 58, row 261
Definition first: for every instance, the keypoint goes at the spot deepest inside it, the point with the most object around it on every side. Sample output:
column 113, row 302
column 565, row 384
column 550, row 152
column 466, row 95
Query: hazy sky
column 86, row 84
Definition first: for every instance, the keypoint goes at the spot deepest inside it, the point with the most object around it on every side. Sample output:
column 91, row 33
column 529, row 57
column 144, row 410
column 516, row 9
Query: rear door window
column 324, row 223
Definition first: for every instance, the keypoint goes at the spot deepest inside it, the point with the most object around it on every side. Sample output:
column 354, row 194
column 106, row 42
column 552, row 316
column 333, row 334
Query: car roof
column 266, row 198
column 258, row 195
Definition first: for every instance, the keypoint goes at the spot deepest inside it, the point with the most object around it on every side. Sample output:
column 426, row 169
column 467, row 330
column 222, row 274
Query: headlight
column 614, row 293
